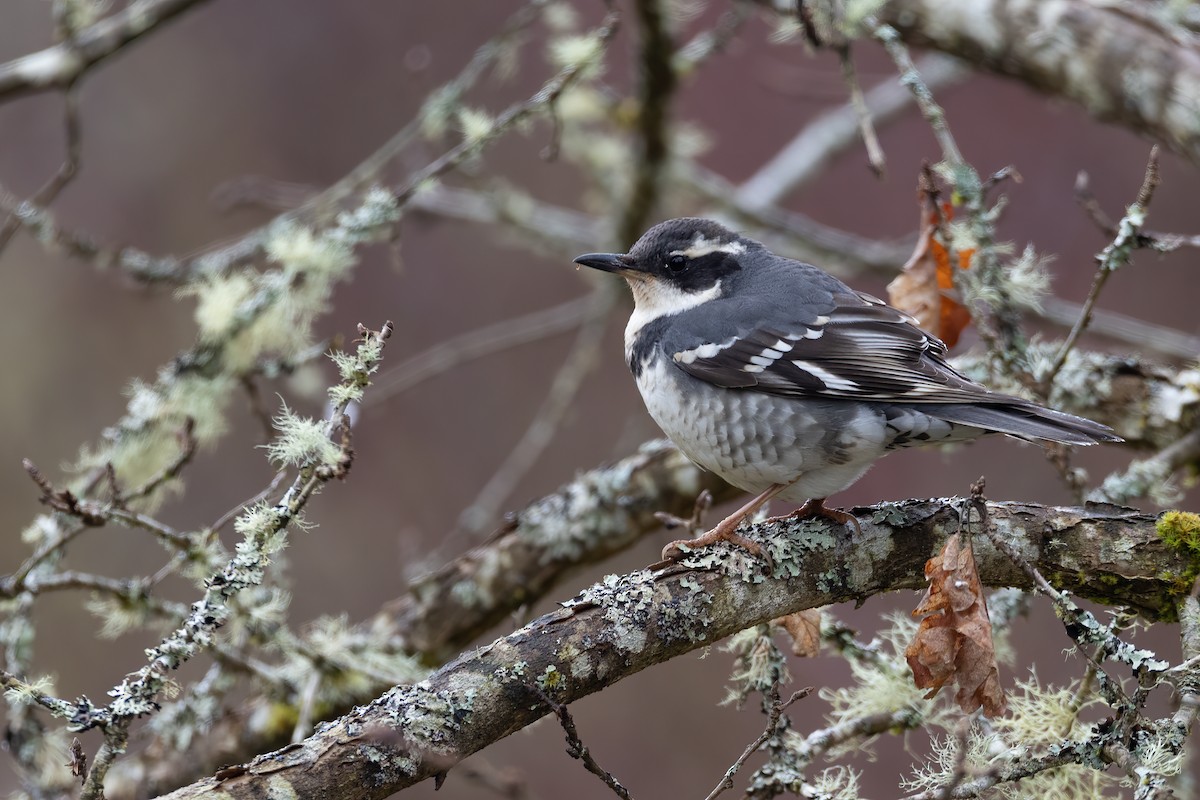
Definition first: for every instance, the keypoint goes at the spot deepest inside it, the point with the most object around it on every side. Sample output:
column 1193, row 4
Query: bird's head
column 676, row 264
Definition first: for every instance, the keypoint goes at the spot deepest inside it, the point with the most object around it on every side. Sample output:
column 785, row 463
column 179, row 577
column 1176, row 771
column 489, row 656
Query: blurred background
column 299, row 91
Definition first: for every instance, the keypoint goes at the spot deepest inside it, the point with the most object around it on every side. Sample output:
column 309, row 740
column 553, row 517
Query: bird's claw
column 675, row 551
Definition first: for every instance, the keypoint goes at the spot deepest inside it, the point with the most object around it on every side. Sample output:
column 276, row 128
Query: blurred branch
column 1151, row 476
column 580, row 360
column 627, row 623
column 1097, row 46
column 1150, row 406
column 66, row 171
column 834, row 132
column 570, row 231
column 544, row 98
column 58, row 67
column 320, row 207
column 656, row 85
column 481, row 342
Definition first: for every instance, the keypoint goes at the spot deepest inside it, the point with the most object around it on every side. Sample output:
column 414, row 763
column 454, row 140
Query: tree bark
column 627, row 623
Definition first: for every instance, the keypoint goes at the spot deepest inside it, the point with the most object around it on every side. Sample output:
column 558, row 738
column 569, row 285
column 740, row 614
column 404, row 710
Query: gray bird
column 786, row 382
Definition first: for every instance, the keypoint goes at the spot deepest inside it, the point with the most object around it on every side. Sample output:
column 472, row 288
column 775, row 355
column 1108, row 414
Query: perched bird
column 786, row 382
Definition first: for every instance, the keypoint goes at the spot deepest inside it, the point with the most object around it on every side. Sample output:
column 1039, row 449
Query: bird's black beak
column 607, row 262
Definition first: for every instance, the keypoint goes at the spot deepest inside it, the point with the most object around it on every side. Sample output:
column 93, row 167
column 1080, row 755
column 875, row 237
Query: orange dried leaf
column 925, row 286
column 805, row 629
column 954, row 640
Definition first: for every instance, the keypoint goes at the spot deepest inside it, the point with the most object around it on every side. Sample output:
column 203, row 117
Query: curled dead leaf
column 954, row 640
column 805, row 629
column 925, row 286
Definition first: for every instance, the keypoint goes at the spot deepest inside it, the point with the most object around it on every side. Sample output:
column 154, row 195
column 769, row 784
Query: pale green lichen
column 551, row 680
column 300, row 441
column 426, row 718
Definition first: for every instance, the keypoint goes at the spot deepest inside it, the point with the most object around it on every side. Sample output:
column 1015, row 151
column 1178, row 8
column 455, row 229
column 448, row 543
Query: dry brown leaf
column 925, row 287
column 805, row 629
column 954, row 640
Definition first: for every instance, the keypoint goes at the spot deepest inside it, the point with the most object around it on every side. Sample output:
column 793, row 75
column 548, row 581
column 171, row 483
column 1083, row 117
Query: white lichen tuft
column 300, row 441
column 1028, row 279
column 883, row 685
column 834, row 783
column 583, row 51
column 476, row 125
column 218, row 299
column 318, row 255
column 758, row 664
column 560, row 17
column 26, row 694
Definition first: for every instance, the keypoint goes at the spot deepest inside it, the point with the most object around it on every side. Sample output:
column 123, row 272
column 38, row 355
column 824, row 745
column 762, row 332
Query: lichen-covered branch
column 599, row 513
column 627, row 623
column 1118, row 61
column 60, row 66
column 1151, row 406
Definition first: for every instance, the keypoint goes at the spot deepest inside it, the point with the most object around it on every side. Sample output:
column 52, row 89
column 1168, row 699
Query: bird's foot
column 817, row 508
column 692, row 525
column 726, row 531
column 722, row 533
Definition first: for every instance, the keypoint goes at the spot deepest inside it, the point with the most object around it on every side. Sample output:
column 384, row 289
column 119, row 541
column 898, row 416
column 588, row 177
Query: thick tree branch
column 599, row 513
column 1120, row 63
column 625, row 624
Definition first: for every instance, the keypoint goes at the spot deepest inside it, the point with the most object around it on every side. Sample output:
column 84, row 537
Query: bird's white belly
column 754, row 440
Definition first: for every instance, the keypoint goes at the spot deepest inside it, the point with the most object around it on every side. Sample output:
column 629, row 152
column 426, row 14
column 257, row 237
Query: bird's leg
column 726, row 530
column 816, row 508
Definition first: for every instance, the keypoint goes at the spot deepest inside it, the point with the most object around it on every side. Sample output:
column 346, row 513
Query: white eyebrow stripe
column 701, row 246
column 826, row 377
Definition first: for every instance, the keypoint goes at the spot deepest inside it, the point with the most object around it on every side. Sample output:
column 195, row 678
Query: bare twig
column 482, row 342
column 866, row 127
column 578, row 750
column 1114, row 256
column 823, row 139
column 775, row 709
column 173, row 270
column 540, row 100
column 66, row 171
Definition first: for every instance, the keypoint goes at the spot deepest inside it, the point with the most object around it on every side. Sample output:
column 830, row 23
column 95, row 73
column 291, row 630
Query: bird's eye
column 677, row 263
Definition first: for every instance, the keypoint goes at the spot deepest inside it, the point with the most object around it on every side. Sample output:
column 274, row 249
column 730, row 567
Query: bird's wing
column 857, row 347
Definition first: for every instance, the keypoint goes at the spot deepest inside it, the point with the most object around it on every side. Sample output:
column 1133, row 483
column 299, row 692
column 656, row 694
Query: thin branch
column 1117, row 254
column 820, row 142
column 514, row 115
column 480, row 343
column 578, row 750
column 774, row 712
column 320, row 208
column 66, row 171
column 63, row 64
column 579, row 362
column 1149, row 476
column 866, row 126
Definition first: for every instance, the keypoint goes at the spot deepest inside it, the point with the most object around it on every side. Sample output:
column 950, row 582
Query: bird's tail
column 1025, row 420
